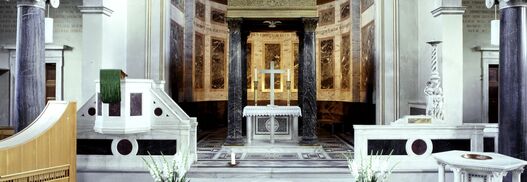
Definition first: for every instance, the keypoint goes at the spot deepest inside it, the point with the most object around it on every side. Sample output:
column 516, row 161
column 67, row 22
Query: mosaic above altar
column 272, row 8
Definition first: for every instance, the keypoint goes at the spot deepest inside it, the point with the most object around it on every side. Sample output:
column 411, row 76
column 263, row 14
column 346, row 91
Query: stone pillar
column 513, row 77
column 450, row 17
column 96, row 16
column 30, row 71
column 188, row 50
column 308, row 85
column 235, row 98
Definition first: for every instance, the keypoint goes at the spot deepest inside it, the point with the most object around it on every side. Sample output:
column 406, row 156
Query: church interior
column 263, row 90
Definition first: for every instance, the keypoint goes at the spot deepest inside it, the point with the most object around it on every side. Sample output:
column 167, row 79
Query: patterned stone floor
column 332, row 148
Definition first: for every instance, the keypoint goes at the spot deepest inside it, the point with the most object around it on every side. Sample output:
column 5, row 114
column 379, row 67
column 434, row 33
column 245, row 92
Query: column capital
column 35, row 3
column 512, row 3
column 310, row 24
column 234, row 23
column 97, row 9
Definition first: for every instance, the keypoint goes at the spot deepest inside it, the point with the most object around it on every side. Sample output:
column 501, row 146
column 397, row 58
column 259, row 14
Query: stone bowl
column 476, row 156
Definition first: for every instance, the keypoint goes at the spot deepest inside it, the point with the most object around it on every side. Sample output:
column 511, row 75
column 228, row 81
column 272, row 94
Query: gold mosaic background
column 342, row 75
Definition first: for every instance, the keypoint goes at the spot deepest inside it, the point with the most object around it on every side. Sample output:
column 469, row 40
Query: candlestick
column 288, row 86
column 233, row 158
column 255, row 93
column 288, row 75
column 255, row 74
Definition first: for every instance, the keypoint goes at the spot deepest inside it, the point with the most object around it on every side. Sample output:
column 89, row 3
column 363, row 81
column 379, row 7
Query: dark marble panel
column 199, row 61
column 217, row 16
column 367, row 61
column 345, row 61
column 295, row 65
column 327, row 64
column 384, row 147
column 263, row 126
column 327, row 16
column 217, row 63
column 124, row 147
column 94, row 147
column 114, row 109
column 450, row 144
column 175, row 82
column 179, row 4
column 345, row 10
column 417, row 111
column 200, row 11
column 136, row 104
column 157, row 147
column 488, row 144
column 272, row 53
column 365, row 4
column 99, row 105
column 249, row 65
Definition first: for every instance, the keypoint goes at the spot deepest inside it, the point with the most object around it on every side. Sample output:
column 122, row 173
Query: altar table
column 251, row 112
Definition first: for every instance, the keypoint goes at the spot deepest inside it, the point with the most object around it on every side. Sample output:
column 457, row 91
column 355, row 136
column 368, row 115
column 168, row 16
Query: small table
column 251, row 112
column 490, row 166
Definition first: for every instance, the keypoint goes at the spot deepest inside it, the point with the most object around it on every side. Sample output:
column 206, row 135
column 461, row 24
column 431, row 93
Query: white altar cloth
column 251, row 112
column 493, row 169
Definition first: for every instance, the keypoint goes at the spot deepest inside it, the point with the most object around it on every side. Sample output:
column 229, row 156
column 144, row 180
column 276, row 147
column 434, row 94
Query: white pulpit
column 478, row 166
column 270, row 125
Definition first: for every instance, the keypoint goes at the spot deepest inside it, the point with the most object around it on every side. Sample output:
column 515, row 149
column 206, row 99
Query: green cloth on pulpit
column 110, row 85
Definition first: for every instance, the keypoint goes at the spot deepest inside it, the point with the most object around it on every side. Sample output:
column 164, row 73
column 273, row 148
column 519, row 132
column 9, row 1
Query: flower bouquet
column 375, row 168
column 168, row 171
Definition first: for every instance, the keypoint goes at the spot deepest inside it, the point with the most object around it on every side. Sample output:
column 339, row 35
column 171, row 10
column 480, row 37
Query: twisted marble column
column 236, row 96
column 30, row 88
column 433, row 90
column 308, row 84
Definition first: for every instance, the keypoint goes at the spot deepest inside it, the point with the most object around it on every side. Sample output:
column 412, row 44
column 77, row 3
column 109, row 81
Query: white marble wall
column 476, row 32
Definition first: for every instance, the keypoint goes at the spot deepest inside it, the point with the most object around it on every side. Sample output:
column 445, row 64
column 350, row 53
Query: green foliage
column 168, row 171
column 372, row 168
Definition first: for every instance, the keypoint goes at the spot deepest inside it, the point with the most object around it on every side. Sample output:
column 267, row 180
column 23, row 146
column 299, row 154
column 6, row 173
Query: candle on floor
column 233, row 158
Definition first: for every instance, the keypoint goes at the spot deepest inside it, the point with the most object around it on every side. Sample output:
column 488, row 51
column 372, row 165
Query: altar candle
column 255, row 74
column 288, row 75
column 233, row 158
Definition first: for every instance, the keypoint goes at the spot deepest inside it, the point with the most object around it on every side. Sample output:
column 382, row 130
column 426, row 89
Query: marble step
column 267, row 173
column 294, row 170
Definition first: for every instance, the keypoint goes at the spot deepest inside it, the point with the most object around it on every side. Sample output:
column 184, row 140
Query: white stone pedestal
column 491, row 168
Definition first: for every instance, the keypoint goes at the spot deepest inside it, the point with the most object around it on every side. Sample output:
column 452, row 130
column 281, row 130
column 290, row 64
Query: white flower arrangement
column 168, row 171
column 375, row 168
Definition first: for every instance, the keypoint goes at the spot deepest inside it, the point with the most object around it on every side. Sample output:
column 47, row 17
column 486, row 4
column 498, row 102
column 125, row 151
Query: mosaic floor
column 332, row 148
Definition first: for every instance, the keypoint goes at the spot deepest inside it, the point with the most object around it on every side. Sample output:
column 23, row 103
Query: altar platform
column 263, row 161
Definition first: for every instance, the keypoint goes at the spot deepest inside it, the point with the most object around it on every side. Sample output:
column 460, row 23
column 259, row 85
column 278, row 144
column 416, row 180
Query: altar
column 272, row 122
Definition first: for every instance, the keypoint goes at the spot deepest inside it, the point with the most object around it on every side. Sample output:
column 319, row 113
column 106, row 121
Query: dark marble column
column 235, row 102
column 307, row 69
column 188, row 50
column 30, row 64
column 513, row 81
column 300, row 80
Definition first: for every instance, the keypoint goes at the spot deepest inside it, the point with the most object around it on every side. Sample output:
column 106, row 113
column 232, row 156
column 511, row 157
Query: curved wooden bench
column 45, row 150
